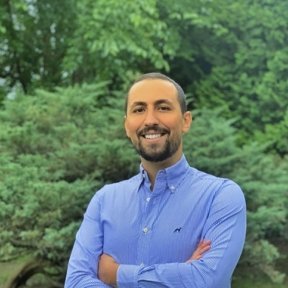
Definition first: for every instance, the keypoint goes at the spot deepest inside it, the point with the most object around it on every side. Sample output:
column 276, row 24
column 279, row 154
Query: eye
column 138, row 109
column 164, row 108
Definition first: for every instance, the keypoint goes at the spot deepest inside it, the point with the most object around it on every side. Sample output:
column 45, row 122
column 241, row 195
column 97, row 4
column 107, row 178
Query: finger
column 204, row 249
column 204, row 243
column 198, row 253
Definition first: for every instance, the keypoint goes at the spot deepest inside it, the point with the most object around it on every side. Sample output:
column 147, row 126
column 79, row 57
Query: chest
column 150, row 230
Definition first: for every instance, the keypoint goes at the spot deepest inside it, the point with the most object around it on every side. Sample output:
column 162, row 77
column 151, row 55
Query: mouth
column 153, row 136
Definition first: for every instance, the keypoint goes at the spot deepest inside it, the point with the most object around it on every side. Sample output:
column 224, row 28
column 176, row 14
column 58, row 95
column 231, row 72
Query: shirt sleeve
column 225, row 226
column 88, row 246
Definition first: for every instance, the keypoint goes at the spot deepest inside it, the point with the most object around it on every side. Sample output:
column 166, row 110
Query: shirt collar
column 172, row 175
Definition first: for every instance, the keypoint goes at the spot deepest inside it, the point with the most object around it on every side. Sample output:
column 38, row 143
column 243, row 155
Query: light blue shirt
column 152, row 234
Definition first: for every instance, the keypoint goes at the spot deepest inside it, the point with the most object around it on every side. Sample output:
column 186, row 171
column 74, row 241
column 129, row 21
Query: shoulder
column 223, row 189
column 203, row 177
column 117, row 188
column 113, row 193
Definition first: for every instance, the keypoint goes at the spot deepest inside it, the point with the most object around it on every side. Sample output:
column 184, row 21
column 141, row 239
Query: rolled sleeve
column 127, row 276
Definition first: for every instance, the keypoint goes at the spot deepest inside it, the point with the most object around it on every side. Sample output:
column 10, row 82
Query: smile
column 152, row 136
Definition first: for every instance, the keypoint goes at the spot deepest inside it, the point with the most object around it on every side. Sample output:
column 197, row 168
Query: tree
column 119, row 38
column 56, row 147
column 212, row 146
column 247, row 76
column 33, row 42
column 56, row 150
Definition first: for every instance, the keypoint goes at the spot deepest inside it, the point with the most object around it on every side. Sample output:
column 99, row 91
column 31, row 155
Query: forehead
column 151, row 90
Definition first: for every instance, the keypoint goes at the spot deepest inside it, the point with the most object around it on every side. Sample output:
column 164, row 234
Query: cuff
column 127, row 276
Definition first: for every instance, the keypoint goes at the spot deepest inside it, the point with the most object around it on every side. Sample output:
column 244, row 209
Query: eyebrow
column 160, row 101
column 142, row 103
column 138, row 103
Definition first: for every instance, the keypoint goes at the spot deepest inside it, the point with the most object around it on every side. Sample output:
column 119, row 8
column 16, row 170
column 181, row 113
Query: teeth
column 152, row 136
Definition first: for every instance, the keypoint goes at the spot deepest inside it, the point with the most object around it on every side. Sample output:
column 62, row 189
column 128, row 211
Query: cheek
column 131, row 128
column 174, row 125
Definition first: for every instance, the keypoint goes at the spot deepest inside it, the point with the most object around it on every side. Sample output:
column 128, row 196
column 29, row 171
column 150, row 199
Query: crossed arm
column 107, row 266
column 225, row 227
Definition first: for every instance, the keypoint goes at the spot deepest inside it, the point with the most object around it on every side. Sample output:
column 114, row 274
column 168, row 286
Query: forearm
column 172, row 275
column 107, row 270
column 82, row 270
column 82, row 267
column 108, row 267
column 214, row 270
column 86, row 281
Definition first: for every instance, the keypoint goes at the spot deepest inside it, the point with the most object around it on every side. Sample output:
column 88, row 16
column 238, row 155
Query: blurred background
column 65, row 67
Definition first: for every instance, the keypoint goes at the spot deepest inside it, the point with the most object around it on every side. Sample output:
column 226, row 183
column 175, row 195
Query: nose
column 150, row 118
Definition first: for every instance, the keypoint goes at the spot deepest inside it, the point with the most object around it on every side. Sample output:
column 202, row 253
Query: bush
column 58, row 148
column 212, row 146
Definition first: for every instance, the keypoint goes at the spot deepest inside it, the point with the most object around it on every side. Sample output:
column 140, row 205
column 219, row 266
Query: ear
column 125, row 126
column 187, row 121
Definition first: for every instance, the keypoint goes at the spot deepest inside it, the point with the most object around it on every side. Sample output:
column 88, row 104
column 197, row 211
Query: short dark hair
column 155, row 75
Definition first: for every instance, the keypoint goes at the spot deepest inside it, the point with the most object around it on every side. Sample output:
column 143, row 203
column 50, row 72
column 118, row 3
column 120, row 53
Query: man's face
column 154, row 121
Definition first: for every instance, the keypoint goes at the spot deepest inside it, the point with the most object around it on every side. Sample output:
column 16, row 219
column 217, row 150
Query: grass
column 244, row 279
column 9, row 269
column 257, row 283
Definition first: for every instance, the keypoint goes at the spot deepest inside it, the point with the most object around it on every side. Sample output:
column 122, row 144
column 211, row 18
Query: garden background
column 65, row 67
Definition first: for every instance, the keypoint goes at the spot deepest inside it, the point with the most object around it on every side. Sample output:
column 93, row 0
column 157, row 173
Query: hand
column 202, row 247
column 107, row 269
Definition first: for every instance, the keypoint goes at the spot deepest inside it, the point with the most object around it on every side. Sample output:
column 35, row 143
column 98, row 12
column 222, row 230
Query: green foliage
column 247, row 77
column 56, row 150
column 263, row 254
column 212, row 146
column 276, row 136
column 256, row 282
column 33, row 41
column 118, row 38
column 115, row 40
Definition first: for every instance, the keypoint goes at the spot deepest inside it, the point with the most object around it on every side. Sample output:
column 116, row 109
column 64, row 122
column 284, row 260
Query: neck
column 152, row 168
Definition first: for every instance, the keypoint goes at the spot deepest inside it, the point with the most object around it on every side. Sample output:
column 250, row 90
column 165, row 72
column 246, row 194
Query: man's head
column 156, row 118
column 155, row 75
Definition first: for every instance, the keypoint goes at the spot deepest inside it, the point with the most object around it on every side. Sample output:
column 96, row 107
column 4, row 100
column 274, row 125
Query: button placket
column 145, row 230
column 152, row 204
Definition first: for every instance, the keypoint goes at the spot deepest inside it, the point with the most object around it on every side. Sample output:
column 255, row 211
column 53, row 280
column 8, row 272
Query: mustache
column 154, row 128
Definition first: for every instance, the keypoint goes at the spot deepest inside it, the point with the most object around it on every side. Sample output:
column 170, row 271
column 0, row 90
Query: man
column 142, row 232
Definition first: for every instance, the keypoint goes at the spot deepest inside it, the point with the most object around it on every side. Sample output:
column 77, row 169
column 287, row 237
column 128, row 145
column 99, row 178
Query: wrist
column 107, row 270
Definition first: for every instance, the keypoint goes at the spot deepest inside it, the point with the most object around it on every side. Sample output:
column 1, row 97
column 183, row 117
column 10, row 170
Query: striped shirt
column 152, row 234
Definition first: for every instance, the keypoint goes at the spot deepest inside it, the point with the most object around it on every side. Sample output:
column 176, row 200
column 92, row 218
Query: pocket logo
column 177, row 230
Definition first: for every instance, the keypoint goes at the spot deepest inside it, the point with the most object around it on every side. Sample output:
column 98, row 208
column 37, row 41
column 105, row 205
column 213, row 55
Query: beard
column 154, row 153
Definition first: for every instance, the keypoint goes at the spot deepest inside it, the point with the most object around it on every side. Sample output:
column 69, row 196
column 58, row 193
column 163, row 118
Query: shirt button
column 172, row 188
column 148, row 199
column 145, row 230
